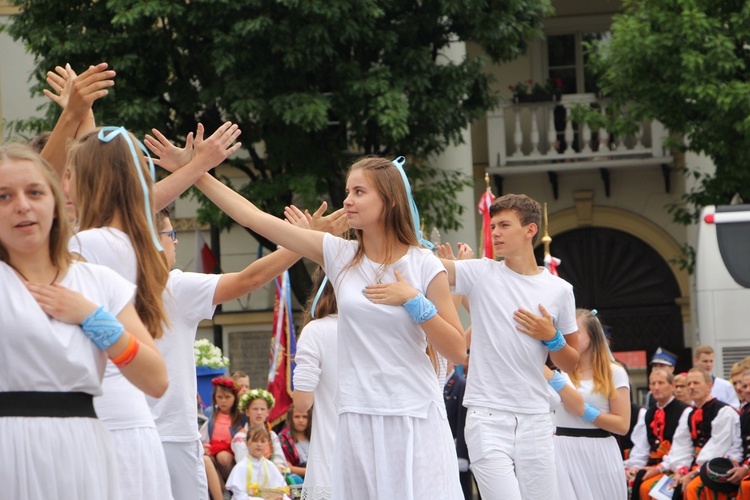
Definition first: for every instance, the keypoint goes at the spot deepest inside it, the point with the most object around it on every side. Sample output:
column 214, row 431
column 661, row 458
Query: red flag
column 484, row 208
column 205, row 261
column 551, row 264
column 284, row 348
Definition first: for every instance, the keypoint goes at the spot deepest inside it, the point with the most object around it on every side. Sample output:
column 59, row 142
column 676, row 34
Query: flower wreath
column 253, row 394
column 226, row 382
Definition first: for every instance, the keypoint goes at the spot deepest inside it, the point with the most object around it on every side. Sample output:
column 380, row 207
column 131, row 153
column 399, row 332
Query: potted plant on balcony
column 209, row 363
column 530, row 91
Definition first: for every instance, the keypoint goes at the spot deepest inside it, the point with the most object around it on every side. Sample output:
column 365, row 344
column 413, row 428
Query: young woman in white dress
column 111, row 187
column 315, row 378
column 392, row 438
column 52, row 445
column 588, row 459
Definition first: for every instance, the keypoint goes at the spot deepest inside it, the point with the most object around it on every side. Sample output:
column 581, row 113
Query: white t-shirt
column 724, row 392
column 43, row 354
column 383, row 367
column 595, row 399
column 506, row 365
column 317, row 372
column 188, row 299
column 122, row 405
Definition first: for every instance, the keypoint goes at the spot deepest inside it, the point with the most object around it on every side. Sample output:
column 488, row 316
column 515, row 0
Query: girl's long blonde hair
column 601, row 363
column 107, row 183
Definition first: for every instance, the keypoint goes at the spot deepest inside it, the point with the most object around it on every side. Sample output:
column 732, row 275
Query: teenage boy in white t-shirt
column 520, row 313
column 188, row 299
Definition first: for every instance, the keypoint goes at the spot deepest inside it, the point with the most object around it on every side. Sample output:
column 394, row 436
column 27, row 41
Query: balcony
column 538, row 137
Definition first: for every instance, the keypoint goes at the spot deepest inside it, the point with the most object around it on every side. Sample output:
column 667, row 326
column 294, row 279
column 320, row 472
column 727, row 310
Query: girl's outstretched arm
column 305, row 242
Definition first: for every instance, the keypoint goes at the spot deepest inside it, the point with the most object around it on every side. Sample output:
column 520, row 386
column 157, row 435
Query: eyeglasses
column 172, row 234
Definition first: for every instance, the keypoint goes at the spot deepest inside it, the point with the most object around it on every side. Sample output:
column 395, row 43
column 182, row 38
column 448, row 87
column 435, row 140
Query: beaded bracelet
column 555, row 343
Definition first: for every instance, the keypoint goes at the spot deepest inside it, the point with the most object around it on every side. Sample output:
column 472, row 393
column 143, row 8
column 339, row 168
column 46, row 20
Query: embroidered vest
column 672, row 413
column 702, row 428
column 745, row 433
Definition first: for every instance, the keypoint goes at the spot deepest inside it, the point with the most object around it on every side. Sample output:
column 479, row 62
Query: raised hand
column 218, row 147
column 392, row 294
column 61, row 303
column 538, row 327
column 87, row 87
column 170, row 157
column 60, row 83
column 334, row 223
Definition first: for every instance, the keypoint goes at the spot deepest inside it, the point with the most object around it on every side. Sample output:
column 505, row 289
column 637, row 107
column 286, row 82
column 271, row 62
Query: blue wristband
column 420, row 308
column 591, row 413
column 102, row 328
column 556, row 343
column 557, row 382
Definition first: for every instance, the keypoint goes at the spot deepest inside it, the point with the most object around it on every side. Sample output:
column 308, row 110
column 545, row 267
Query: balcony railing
column 538, row 136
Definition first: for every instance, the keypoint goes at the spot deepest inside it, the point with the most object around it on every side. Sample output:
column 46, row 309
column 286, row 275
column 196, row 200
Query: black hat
column 714, row 474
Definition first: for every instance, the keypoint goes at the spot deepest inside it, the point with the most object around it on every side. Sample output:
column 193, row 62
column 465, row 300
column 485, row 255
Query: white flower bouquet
column 207, row 354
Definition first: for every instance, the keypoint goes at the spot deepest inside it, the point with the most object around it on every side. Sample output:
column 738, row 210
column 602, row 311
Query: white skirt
column 589, row 469
column 141, row 464
column 401, row 457
column 56, row 458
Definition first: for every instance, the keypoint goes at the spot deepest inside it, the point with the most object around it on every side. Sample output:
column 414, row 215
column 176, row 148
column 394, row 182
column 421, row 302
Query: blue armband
column 420, row 308
column 556, row 343
column 591, row 413
column 557, row 382
column 102, row 328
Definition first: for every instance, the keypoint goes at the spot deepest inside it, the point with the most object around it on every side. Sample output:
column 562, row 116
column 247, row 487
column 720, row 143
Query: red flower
column 226, row 382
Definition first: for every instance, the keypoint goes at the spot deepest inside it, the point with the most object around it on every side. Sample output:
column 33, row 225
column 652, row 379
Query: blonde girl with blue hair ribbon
column 111, row 185
column 393, row 438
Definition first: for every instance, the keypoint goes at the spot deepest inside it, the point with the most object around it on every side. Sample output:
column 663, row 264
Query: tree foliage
column 685, row 63
column 311, row 84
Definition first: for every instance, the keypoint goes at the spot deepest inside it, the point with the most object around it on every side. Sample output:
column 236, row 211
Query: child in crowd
column 224, row 421
column 243, row 382
column 255, row 476
column 295, row 439
column 256, row 404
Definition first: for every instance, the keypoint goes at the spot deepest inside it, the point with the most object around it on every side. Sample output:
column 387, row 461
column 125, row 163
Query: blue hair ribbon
column 317, row 295
column 107, row 134
column 399, row 164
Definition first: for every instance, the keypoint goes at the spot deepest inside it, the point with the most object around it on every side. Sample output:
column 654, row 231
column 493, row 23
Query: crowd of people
column 98, row 388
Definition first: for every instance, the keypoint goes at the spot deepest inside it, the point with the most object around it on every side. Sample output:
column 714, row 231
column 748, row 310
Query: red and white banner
column 283, row 350
column 484, row 208
column 205, row 260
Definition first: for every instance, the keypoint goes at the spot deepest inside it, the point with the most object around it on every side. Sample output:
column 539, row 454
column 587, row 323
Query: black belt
column 47, row 404
column 588, row 433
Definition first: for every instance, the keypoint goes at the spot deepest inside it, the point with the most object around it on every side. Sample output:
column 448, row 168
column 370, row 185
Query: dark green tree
column 685, row 63
column 311, row 83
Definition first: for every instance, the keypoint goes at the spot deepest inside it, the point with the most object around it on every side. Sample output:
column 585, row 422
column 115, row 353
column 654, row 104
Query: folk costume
column 713, row 430
column 652, row 439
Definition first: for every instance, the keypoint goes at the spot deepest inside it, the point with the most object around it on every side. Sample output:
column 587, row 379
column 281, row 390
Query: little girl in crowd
column 255, row 476
column 224, row 421
column 256, row 403
column 295, row 439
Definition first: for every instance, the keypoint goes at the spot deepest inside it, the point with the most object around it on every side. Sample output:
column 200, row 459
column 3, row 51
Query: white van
column 722, row 278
